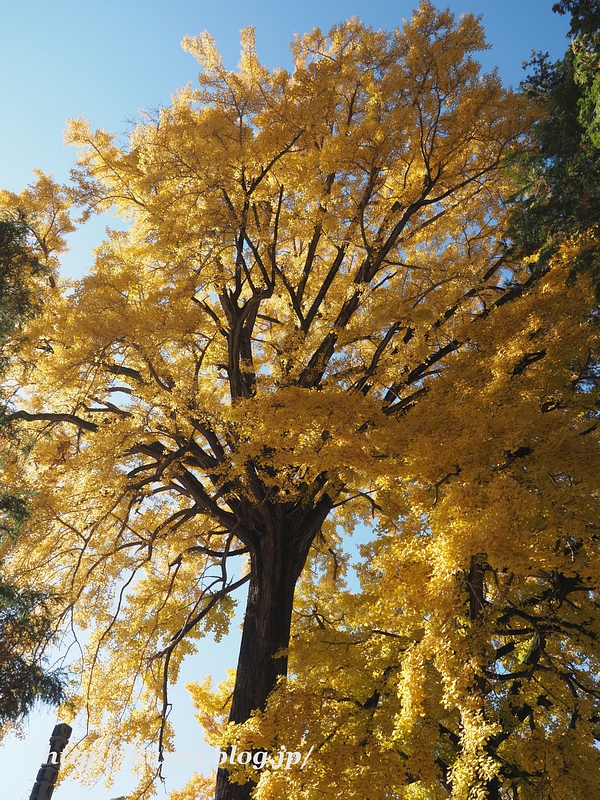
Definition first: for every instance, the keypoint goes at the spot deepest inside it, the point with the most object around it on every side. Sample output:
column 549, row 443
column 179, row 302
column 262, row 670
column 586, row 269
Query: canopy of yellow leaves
column 312, row 309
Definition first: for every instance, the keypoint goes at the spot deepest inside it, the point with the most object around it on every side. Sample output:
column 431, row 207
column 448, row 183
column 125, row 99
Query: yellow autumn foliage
column 312, row 324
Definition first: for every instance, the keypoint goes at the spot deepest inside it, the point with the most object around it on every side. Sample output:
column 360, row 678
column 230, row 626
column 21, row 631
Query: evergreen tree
column 559, row 199
column 25, row 624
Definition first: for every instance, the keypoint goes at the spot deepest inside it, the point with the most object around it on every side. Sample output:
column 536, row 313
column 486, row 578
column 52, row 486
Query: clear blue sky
column 107, row 60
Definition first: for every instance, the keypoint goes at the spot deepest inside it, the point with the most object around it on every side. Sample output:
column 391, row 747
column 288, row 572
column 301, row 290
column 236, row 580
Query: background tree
column 25, row 619
column 25, row 631
column 311, row 322
column 560, row 196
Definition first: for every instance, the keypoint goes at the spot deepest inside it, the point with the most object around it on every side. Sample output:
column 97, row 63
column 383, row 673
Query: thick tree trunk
column 476, row 584
column 276, row 563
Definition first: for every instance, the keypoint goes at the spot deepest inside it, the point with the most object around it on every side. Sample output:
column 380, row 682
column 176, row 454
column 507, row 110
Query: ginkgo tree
column 310, row 323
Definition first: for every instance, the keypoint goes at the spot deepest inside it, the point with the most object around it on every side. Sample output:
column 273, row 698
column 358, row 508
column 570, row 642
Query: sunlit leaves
column 312, row 322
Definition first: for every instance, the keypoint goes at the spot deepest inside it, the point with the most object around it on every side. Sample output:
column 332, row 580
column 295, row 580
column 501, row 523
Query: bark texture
column 278, row 554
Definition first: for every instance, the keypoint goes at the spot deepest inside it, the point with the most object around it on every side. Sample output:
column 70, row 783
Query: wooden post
column 48, row 772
